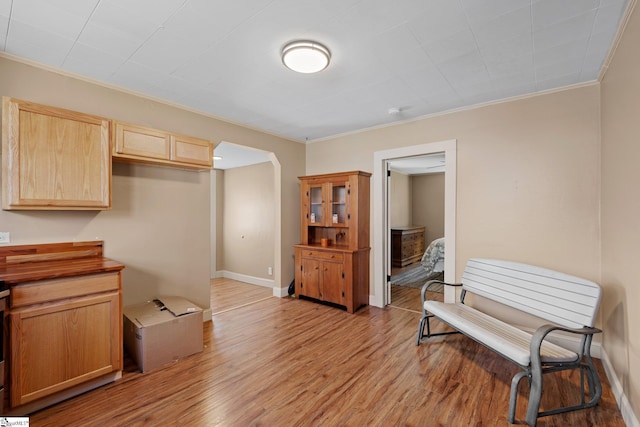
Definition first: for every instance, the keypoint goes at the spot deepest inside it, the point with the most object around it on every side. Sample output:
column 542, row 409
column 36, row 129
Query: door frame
column 381, row 232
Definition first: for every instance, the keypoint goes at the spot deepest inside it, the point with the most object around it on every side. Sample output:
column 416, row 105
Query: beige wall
column 428, row 204
column 399, row 200
column 621, row 212
column 527, row 182
column 248, row 220
column 159, row 226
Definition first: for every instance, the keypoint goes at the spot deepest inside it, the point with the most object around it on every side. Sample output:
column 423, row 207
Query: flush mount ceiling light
column 304, row 56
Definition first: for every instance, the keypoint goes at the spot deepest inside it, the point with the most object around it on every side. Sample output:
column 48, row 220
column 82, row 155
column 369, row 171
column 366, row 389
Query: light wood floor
column 289, row 362
column 227, row 294
column 409, row 298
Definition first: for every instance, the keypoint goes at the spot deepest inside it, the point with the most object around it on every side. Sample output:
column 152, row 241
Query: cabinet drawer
column 56, row 289
column 310, row 253
column 409, row 237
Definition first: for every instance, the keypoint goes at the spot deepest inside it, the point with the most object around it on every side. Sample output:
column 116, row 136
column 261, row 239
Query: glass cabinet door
column 339, row 204
column 316, row 205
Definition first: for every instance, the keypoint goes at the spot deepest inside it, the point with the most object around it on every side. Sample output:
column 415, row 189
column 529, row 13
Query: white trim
column 616, row 40
column 378, row 299
column 207, row 315
column 626, row 410
column 281, row 292
column 277, row 232
column 267, row 283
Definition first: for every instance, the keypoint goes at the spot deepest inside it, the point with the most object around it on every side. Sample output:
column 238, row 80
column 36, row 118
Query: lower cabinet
column 71, row 336
column 333, row 275
column 323, row 280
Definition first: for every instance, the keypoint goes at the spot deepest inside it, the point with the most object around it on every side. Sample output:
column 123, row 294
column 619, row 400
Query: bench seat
column 511, row 342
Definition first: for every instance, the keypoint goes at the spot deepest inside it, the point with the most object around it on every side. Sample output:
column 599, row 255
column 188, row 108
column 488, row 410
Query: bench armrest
column 426, row 286
column 541, row 333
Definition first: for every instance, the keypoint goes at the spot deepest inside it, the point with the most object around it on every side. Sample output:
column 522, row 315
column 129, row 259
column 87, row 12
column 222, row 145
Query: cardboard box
column 162, row 331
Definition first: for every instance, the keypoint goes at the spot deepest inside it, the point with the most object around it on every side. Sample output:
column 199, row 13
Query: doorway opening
column 256, row 196
column 381, row 215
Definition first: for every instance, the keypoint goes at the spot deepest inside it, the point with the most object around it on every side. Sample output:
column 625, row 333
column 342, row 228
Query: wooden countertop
column 25, row 263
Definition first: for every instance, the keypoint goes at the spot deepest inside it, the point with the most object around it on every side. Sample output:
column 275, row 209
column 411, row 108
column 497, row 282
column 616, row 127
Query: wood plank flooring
column 289, row 362
column 227, row 294
column 409, row 298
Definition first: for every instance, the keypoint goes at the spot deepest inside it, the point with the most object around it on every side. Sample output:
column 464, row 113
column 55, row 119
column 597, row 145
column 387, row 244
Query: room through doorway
column 382, row 241
column 245, row 214
column 416, row 227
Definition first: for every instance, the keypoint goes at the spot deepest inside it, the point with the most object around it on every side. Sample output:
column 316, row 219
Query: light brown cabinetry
column 407, row 245
column 54, row 158
column 332, row 261
column 65, row 333
column 57, row 344
column 135, row 143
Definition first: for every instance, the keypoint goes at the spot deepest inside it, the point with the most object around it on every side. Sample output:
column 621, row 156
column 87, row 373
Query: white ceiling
column 222, row 57
column 236, row 156
column 418, row 165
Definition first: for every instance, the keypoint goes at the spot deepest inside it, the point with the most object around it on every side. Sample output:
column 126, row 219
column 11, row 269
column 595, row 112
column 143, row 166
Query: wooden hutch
column 332, row 261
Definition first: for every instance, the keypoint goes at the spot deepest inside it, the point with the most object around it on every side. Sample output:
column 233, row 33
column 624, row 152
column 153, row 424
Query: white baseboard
column 267, row 283
column 376, row 301
column 630, row 419
column 207, row 314
column 281, row 292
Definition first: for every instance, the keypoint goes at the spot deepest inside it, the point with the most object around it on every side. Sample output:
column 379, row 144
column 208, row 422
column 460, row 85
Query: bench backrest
column 560, row 298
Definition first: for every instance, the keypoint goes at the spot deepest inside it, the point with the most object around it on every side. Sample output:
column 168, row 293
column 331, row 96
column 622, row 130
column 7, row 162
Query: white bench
column 569, row 303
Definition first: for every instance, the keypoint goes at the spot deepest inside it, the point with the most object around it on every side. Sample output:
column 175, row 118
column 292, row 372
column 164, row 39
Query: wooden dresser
column 407, row 245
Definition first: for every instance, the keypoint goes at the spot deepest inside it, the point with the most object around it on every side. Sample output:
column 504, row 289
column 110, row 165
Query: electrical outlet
column 5, row 237
column 269, row 271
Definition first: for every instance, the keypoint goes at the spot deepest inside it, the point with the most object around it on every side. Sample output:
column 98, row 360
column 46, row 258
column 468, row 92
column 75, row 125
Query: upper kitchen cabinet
column 54, row 159
column 135, row 143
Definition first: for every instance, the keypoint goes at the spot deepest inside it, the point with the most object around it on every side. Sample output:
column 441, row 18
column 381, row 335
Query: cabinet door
column 311, row 276
column 316, row 205
column 138, row 144
column 57, row 346
column 140, row 141
column 54, row 158
column 338, row 203
column 333, row 282
column 191, row 150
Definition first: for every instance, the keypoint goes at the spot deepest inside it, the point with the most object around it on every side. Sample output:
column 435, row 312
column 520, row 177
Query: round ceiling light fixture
column 304, row 56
